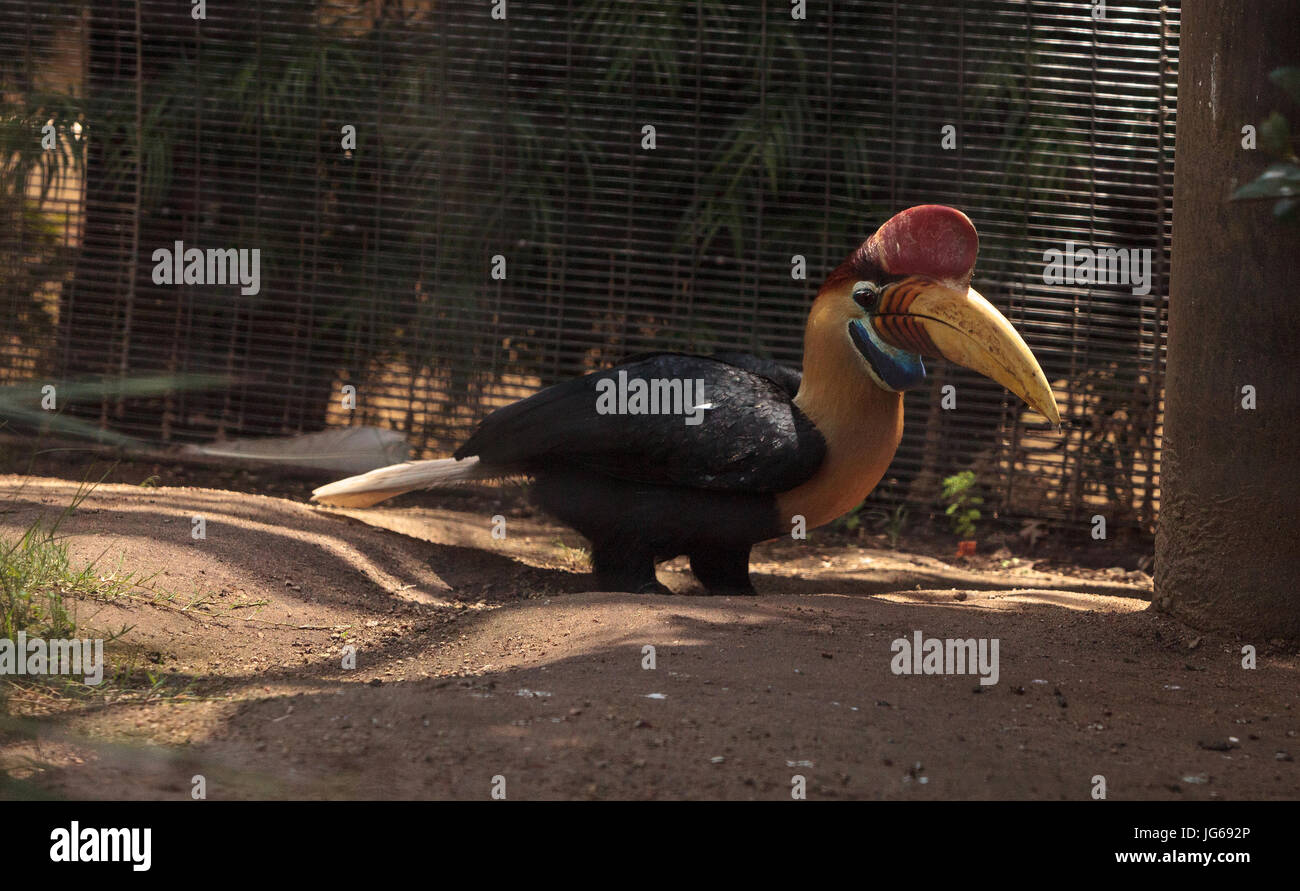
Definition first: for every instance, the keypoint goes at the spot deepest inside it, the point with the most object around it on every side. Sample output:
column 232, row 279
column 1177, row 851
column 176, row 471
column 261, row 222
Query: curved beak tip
column 1050, row 411
column 966, row 329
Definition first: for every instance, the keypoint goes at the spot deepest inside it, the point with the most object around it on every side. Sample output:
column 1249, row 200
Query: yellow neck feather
column 861, row 422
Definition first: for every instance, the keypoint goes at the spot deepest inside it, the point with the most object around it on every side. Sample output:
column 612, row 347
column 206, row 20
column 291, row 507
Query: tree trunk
column 1226, row 551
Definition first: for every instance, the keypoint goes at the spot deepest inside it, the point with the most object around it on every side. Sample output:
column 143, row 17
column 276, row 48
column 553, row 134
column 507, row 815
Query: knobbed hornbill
column 762, row 445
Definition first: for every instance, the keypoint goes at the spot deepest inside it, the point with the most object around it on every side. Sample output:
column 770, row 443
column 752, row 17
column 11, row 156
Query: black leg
column 723, row 570
column 619, row 569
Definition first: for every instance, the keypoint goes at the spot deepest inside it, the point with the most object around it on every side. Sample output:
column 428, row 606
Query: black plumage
column 648, row 487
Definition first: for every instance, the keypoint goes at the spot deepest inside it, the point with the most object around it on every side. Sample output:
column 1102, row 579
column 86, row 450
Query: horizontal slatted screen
column 514, row 137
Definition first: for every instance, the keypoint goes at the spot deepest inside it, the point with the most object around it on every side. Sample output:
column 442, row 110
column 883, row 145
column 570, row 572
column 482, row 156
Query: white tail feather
column 386, row 482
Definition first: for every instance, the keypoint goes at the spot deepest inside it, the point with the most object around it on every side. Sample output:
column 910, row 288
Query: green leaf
column 1289, row 80
column 1281, row 180
column 1275, row 136
column 1285, row 208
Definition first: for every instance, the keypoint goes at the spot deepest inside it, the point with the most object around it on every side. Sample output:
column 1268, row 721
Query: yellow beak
column 958, row 324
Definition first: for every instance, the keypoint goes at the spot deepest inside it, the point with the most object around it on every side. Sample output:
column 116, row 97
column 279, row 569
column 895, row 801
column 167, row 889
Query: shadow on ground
column 478, row 658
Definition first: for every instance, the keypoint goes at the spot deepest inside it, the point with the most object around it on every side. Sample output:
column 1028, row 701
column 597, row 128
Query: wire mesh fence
column 453, row 204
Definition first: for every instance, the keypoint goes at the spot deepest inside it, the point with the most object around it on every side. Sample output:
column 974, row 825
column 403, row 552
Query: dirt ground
column 479, row 658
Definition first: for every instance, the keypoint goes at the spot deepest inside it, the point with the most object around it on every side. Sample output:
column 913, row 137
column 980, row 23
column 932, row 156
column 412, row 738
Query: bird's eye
column 866, row 295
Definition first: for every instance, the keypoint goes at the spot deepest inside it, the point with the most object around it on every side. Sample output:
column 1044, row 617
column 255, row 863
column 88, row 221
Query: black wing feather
column 753, row 439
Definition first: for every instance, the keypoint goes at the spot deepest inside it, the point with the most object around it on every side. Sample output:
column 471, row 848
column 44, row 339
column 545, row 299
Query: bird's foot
column 631, row 585
column 731, row 591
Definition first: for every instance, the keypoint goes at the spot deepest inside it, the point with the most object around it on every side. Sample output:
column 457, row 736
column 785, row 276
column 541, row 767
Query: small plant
column 890, row 522
column 573, row 556
column 35, row 574
column 962, row 503
column 850, row 522
column 1033, row 530
column 38, row 577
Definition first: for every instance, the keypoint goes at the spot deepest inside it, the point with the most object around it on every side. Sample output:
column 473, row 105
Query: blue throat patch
column 899, row 369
